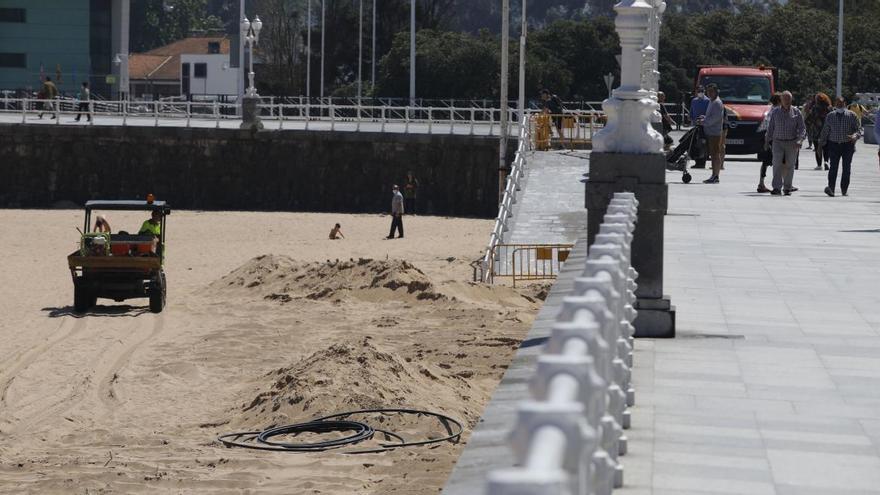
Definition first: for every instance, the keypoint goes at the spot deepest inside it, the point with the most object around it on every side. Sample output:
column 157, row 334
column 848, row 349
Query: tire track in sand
column 24, row 359
column 84, row 387
column 105, row 391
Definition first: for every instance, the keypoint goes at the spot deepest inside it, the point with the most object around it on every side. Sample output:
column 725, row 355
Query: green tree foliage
column 156, row 23
column 447, row 64
column 799, row 38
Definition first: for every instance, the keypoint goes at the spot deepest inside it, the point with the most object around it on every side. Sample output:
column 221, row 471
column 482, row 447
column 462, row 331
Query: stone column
column 250, row 113
column 628, row 156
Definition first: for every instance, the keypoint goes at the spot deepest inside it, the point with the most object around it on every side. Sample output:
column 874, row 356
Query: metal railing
column 528, row 262
column 432, row 120
column 570, row 437
column 508, row 198
column 575, row 129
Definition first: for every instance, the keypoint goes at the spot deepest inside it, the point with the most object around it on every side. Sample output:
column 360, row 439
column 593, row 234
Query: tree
column 158, row 26
column 448, row 65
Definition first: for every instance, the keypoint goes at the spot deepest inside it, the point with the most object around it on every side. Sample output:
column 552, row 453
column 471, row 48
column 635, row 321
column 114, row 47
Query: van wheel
column 157, row 293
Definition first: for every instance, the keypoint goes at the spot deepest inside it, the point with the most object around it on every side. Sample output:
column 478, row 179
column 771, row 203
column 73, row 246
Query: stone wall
column 215, row 169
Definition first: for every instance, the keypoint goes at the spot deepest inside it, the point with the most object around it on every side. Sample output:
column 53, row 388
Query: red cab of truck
column 745, row 92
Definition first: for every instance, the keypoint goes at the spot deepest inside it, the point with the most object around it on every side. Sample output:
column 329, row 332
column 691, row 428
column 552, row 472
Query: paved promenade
column 550, row 208
column 341, row 125
column 773, row 384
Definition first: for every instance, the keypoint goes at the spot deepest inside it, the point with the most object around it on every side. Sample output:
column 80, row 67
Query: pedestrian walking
column 841, row 131
column 84, row 96
column 666, row 121
column 713, row 129
column 766, row 155
column 411, row 188
column 805, row 110
column 396, row 213
column 786, row 131
column 699, row 104
column 48, row 92
column 552, row 105
column 814, row 120
column 877, row 132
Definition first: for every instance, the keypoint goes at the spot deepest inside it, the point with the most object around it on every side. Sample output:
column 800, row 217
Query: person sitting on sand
column 101, row 224
column 336, row 232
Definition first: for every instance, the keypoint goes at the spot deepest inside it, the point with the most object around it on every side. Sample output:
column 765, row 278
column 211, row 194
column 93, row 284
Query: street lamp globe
column 245, row 26
column 257, row 25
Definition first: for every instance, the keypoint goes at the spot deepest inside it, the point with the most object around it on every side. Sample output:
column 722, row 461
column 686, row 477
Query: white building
column 196, row 68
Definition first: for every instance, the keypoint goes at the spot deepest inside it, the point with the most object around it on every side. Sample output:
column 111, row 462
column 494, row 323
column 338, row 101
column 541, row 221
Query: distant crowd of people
column 831, row 130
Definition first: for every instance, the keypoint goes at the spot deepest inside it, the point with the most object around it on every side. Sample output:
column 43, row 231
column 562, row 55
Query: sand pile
column 352, row 375
column 283, row 279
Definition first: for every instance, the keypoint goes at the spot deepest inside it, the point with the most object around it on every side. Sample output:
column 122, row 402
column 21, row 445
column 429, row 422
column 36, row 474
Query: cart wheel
column 157, row 293
column 686, row 178
column 81, row 298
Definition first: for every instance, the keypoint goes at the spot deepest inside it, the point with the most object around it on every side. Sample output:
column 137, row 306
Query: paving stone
column 771, row 386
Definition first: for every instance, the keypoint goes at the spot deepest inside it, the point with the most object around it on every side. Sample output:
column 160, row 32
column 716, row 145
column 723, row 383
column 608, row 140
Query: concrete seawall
column 215, row 169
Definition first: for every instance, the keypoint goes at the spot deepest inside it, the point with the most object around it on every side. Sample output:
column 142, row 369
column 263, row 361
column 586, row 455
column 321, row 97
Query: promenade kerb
column 569, row 439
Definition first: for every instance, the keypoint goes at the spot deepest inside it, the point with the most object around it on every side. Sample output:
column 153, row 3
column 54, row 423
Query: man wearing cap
column 396, row 213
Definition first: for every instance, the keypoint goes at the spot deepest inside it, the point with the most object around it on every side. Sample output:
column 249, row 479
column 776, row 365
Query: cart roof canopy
column 130, row 205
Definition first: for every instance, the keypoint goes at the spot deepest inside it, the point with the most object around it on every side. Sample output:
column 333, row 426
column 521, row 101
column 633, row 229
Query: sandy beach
column 268, row 322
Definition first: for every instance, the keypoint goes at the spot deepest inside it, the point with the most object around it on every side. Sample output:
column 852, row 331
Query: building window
column 200, row 71
column 13, row 15
column 213, row 47
column 13, row 60
column 184, row 81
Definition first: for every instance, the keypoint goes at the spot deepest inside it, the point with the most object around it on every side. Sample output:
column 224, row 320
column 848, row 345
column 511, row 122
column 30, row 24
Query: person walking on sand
column 713, row 128
column 396, row 213
column 84, row 96
column 787, row 131
column 336, row 232
column 411, row 186
column 840, row 132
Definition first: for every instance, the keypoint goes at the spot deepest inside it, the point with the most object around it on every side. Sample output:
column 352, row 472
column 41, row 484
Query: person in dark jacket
column 551, row 104
column 396, row 213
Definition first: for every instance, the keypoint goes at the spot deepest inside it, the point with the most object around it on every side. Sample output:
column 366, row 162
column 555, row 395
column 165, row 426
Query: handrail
column 433, row 120
column 569, row 438
column 517, row 171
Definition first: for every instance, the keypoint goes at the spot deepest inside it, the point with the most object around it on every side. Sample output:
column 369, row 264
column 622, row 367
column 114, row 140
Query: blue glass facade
column 67, row 40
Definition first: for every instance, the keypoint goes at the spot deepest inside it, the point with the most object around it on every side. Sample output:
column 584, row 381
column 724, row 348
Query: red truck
column 745, row 92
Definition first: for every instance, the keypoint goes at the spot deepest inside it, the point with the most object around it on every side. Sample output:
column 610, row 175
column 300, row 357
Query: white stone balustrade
column 569, row 439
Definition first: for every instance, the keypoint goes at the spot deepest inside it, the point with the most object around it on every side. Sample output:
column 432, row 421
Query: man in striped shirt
column 786, row 131
column 841, row 130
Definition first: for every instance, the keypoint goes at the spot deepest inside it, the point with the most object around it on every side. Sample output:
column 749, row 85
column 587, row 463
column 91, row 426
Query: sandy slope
column 268, row 322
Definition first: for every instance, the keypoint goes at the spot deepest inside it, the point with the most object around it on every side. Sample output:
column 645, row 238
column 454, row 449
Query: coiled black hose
column 358, row 432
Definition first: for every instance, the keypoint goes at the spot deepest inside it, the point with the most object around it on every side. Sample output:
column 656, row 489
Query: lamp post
column 309, row 56
column 840, row 49
column 373, row 51
column 505, row 40
column 412, row 53
column 251, row 32
column 250, row 103
column 360, row 48
column 322, row 50
column 241, row 34
column 121, row 61
column 522, row 64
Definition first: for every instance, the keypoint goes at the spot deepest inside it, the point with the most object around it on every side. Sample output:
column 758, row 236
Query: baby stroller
column 690, row 146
